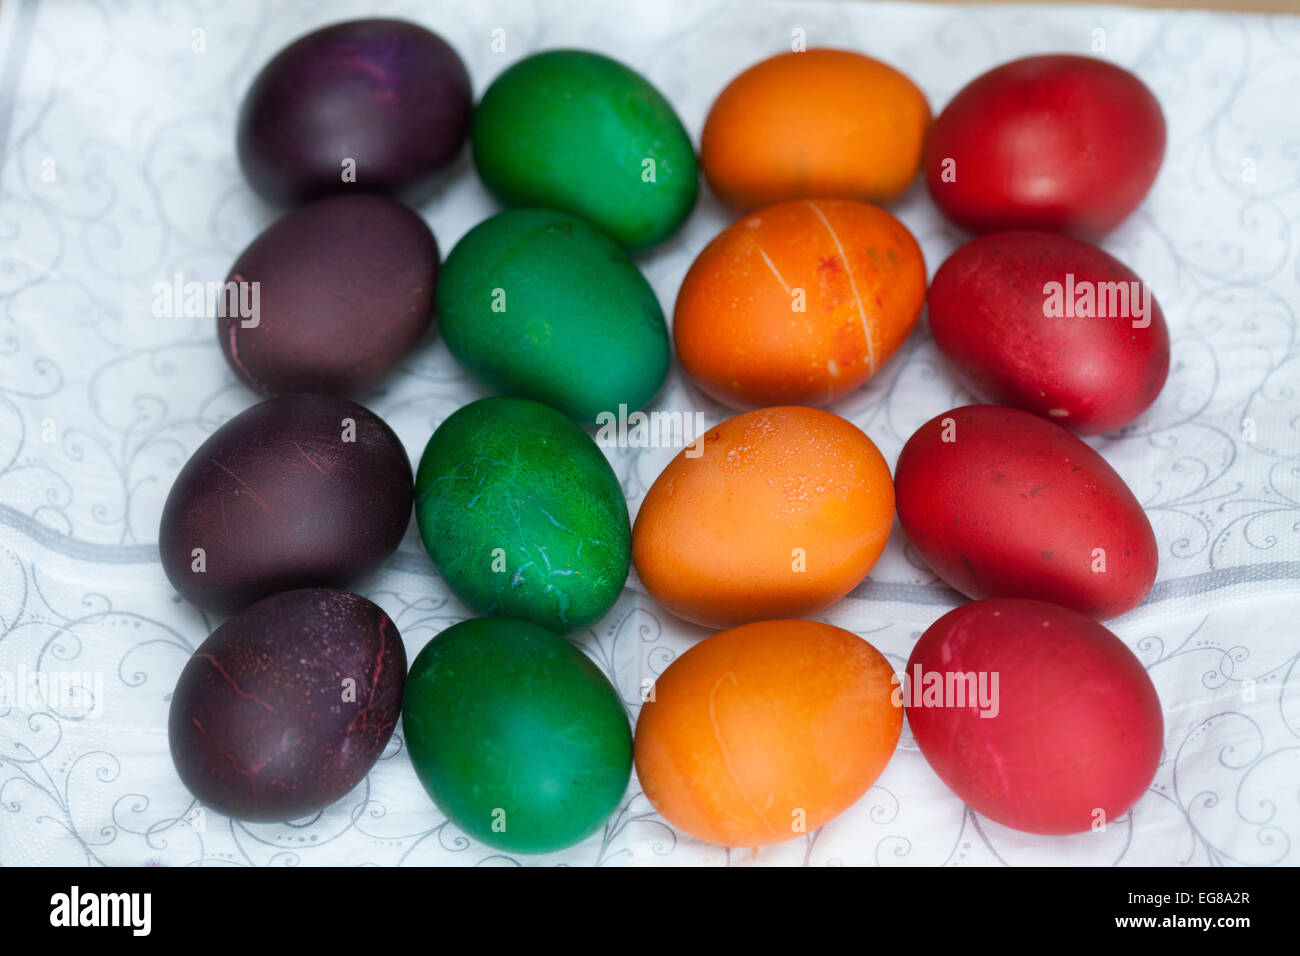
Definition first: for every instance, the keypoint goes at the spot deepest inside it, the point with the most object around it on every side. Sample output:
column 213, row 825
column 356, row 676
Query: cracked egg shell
column 522, row 514
column 298, row 491
column 798, row 303
column 766, row 732
column 345, row 290
column 287, row 705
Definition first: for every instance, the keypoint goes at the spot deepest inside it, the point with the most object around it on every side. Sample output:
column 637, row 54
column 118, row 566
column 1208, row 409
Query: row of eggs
column 756, row 735
column 800, row 301
column 775, row 725
column 519, row 737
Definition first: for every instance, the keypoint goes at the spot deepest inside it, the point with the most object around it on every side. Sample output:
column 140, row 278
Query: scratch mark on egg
column 771, row 265
column 310, row 460
column 853, row 285
column 726, row 754
column 252, row 494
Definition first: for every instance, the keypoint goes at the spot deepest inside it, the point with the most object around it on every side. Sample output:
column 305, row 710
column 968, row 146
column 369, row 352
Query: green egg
column 516, row 735
column 522, row 514
column 582, row 133
column 543, row 305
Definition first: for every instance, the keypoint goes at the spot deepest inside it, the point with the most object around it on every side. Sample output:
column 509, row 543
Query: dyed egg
column 522, row 514
column 581, row 133
column 778, row 512
column 344, row 291
column 542, row 305
column 298, row 491
column 798, row 304
column 1002, row 503
column 1034, row 715
column 516, row 735
column 287, row 705
column 827, row 124
column 1056, row 143
column 368, row 105
column 766, row 732
column 1052, row 325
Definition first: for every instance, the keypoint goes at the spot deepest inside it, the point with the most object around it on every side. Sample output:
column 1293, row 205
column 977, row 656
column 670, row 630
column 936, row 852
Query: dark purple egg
column 343, row 292
column 287, row 706
column 299, row 491
column 383, row 101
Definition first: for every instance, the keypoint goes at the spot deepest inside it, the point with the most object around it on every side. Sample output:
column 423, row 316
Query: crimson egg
column 1035, row 715
column 1060, row 143
column 1002, row 503
column 1052, row 325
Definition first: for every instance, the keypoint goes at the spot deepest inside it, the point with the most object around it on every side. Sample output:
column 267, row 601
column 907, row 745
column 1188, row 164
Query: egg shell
column 1058, row 143
column 820, row 123
column 262, row 726
column 516, row 735
column 581, row 133
column 522, row 514
column 1002, row 503
column 542, row 305
column 1069, row 734
column 298, row 491
column 345, row 291
column 1008, row 311
column 766, row 732
column 778, row 512
column 387, row 95
column 798, row 304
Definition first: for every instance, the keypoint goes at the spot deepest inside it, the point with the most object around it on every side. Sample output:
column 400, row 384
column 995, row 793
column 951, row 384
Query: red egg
column 1053, row 325
column 1059, row 143
column 1035, row 715
column 1002, row 503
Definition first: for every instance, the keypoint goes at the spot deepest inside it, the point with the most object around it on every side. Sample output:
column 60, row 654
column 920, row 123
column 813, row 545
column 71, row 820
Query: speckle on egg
column 246, row 735
column 724, row 538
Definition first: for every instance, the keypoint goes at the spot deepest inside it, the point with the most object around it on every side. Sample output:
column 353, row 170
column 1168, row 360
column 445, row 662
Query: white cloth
column 119, row 172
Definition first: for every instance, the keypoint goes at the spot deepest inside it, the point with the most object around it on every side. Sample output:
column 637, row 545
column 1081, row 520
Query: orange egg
column 821, row 124
column 766, row 732
column 781, row 513
column 798, row 304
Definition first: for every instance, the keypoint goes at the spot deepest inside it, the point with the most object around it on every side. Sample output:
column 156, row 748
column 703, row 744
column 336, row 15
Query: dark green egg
column 522, row 514
column 516, row 735
column 543, row 305
column 579, row 132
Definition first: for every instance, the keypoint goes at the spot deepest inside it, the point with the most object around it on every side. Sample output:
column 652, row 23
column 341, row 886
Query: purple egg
column 299, row 491
column 384, row 102
column 287, row 706
column 343, row 292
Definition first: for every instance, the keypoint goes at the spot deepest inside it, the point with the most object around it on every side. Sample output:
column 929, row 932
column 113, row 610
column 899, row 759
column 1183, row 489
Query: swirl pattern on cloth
column 119, row 173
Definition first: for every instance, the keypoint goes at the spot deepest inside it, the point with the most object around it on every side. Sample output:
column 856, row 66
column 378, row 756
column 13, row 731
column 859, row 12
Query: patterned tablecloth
column 119, row 172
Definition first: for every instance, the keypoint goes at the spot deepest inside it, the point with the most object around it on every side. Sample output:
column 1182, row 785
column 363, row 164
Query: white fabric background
column 101, row 403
